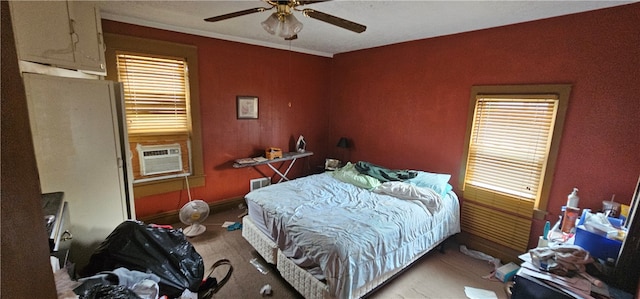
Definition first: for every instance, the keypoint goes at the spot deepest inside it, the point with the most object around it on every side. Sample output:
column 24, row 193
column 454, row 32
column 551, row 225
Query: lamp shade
column 271, row 23
column 290, row 26
column 343, row 142
column 282, row 25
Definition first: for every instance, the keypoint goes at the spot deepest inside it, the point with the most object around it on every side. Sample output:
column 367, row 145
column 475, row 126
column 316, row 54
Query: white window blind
column 156, row 94
column 509, row 144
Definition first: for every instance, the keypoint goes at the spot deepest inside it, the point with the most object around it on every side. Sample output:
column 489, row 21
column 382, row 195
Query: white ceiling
column 387, row 22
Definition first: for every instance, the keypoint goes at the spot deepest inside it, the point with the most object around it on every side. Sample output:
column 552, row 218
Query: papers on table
column 251, row 160
column 577, row 286
column 245, row 161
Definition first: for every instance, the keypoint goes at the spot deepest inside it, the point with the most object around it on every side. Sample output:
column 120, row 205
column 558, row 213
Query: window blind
column 156, row 94
column 509, row 145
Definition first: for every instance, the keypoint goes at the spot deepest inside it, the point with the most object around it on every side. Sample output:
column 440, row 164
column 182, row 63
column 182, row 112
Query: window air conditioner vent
column 157, row 159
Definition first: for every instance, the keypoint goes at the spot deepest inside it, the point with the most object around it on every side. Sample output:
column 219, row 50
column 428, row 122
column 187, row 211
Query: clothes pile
column 565, row 260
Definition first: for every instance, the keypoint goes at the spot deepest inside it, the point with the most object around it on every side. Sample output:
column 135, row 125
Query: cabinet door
column 87, row 28
column 59, row 33
column 75, row 137
column 43, row 32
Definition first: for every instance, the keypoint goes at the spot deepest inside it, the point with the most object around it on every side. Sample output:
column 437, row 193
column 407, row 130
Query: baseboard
column 473, row 242
column 171, row 217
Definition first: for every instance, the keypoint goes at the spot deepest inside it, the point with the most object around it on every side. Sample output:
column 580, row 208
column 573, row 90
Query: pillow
column 439, row 182
column 349, row 174
column 448, row 189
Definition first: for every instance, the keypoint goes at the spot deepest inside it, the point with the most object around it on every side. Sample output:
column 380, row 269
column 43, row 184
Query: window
column 510, row 139
column 159, row 82
column 512, row 143
column 156, row 94
column 156, row 97
column 509, row 144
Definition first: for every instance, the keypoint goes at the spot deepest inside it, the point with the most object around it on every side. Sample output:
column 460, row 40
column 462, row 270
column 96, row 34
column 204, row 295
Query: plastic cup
column 612, row 207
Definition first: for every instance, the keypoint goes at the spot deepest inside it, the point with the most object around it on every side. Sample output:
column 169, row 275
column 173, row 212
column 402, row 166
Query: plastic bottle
column 569, row 220
column 573, row 199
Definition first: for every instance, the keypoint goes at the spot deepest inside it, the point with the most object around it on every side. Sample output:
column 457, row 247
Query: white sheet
column 353, row 234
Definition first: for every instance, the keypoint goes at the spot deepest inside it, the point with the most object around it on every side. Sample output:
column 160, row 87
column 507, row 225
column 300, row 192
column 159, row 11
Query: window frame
column 117, row 42
column 526, row 91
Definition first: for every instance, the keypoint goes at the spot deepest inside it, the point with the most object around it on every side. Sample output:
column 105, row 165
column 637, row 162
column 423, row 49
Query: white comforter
column 354, row 235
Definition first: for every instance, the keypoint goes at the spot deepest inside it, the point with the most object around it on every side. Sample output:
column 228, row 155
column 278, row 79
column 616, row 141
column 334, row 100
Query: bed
column 341, row 234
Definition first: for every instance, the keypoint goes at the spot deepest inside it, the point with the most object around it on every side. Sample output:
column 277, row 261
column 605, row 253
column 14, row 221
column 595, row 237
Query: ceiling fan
column 284, row 24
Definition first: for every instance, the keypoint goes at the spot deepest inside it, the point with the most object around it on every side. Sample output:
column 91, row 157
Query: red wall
column 406, row 105
column 227, row 69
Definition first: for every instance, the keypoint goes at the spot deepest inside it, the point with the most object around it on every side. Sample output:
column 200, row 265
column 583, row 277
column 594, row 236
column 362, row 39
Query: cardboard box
column 505, row 272
column 273, row 153
column 598, row 246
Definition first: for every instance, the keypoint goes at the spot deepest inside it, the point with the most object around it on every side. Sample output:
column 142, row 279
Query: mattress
column 343, row 236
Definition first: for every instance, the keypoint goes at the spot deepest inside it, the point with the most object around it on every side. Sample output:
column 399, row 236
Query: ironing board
column 289, row 156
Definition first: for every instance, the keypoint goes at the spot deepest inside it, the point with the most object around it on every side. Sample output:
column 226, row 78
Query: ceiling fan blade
column 346, row 24
column 310, row 2
column 295, row 36
column 237, row 14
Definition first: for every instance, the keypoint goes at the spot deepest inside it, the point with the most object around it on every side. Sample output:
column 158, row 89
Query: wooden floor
column 436, row 275
column 442, row 275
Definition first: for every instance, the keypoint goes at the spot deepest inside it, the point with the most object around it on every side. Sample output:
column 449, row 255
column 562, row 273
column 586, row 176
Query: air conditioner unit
column 157, row 159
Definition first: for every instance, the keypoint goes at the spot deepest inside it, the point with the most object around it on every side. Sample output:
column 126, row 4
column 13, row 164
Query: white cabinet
column 77, row 146
column 65, row 34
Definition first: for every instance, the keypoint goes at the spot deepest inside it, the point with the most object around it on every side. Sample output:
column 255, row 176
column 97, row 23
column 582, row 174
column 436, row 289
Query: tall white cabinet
column 77, row 145
column 74, row 122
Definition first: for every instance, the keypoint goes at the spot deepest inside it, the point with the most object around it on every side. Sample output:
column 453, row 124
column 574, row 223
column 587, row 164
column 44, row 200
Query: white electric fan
column 193, row 214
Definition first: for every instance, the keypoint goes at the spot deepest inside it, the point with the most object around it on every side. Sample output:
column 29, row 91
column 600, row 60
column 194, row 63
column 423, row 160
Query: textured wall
column 406, row 105
column 292, row 90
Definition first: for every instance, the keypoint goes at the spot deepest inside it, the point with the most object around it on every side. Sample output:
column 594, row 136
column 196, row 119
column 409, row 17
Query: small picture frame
column 247, row 107
column 332, row 164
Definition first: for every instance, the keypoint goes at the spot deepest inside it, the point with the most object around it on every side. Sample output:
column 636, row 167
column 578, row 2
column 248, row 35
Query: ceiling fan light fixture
column 271, row 24
column 284, row 24
column 289, row 26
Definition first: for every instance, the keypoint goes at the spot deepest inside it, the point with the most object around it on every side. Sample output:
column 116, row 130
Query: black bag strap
column 226, row 276
column 207, row 293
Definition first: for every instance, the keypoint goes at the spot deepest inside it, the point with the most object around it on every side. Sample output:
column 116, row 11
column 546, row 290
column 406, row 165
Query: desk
column 290, row 156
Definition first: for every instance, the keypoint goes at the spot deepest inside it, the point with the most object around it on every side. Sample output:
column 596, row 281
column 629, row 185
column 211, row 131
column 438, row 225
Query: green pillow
column 349, row 174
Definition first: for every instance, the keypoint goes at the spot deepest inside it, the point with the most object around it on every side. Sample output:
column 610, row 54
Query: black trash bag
column 92, row 287
column 164, row 252
column 103, row 291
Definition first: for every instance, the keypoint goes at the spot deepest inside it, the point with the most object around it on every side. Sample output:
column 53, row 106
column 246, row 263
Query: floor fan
column 193, row 214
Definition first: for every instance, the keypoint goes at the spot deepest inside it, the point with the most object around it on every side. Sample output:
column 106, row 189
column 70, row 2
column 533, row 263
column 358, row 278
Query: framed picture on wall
column 247, row 107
